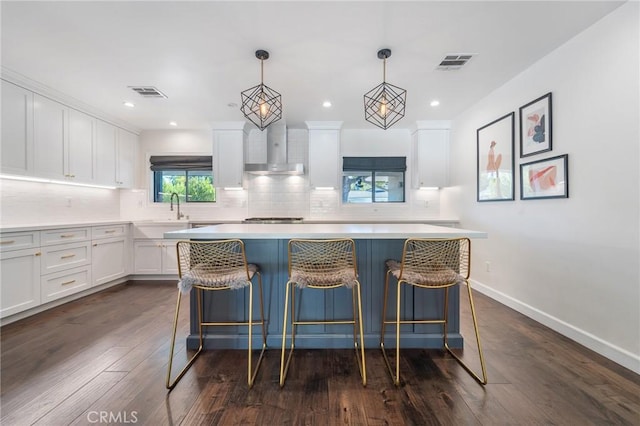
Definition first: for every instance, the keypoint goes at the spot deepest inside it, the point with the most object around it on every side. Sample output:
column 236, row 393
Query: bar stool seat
column 322, row 264
column 215, row 266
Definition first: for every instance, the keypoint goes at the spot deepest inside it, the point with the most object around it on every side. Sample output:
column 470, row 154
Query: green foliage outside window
column 195, row 186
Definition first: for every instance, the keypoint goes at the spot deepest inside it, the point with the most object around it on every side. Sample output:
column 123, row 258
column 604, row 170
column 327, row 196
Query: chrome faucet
column 178, row 214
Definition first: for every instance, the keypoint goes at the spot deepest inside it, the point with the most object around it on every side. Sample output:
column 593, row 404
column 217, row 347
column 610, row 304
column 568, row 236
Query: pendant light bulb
column 264, row 109
column 384, row 109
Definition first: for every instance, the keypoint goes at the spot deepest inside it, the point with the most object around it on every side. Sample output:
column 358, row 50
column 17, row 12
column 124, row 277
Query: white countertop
column 75, row 224
column 326, row 230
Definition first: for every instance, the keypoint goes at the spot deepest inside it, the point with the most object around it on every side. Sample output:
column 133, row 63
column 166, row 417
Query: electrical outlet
column 68, row 201
column 426, row 203
column 487, row 266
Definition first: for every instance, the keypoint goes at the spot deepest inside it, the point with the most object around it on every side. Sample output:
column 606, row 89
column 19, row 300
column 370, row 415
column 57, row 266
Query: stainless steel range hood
column 277, row 158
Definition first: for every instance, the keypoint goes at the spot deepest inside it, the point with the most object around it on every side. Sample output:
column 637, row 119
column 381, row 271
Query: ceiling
column 202, row 54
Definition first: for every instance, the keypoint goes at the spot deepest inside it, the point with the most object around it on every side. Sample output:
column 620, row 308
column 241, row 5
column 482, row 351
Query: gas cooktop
column 273, row 220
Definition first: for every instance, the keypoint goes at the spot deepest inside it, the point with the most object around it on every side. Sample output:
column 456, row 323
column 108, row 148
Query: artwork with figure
column 535, row 126
column 495, row 160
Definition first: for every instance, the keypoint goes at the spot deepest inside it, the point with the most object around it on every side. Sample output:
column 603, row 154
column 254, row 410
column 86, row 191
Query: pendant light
column 384, row 104
column 261, row 104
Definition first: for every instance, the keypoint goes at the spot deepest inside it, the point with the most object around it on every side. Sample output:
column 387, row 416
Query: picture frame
column 495, row 165
column 536, row 121
column 546, row 178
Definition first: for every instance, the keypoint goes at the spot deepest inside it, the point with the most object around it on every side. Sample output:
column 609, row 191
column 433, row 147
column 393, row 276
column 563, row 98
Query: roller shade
column 181, row 162
column 375, row 164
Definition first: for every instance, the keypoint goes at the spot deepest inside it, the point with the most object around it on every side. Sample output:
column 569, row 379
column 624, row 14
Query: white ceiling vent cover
column 454, row 61
column 148, row 91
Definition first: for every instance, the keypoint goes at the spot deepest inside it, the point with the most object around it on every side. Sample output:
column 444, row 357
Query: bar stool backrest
column 322, row 263
column 435, row 262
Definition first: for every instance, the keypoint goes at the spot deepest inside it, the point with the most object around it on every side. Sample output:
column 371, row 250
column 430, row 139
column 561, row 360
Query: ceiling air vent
column 148, row 91
column 454, row 61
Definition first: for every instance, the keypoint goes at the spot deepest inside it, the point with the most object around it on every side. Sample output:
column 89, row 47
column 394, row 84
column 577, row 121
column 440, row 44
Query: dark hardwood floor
column 102, row 360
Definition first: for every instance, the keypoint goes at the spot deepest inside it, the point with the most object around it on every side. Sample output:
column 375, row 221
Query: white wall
column 572, row 264
column 35, row 203
column 274, row 195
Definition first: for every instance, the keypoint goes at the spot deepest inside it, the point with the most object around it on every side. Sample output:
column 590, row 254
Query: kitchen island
column 266, row 245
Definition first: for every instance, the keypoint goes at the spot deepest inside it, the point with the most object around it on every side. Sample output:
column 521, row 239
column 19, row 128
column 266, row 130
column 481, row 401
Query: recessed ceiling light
column 173, row 123
column 326, row 104
column 128, row 104
column 435, row 103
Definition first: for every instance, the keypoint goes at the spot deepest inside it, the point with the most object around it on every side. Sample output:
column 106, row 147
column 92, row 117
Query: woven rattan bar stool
column 215, row 266
column 430, row 264
column 322, row 264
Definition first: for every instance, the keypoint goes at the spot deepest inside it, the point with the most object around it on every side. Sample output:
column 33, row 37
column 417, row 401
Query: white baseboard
column 596, row 344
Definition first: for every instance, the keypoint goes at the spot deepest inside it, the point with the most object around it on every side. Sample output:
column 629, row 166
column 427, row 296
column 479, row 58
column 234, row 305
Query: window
column 191, row 177
column 373, row 179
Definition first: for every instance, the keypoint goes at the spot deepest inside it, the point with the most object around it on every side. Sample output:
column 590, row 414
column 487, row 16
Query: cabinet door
column 431, row 152
column 20, row 284
column 108, row 260
column 169, row 257
column 106, row 139
column 229, row 147
column 127, row 142
column 147, row 257
column 82, row 128
column 17, row 129
column 49, row 137
column 324, row 158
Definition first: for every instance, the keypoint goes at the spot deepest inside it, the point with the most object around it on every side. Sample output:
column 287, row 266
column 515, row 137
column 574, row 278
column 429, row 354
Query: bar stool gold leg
column 171, row 384
column 482, row 380
column 284, row 368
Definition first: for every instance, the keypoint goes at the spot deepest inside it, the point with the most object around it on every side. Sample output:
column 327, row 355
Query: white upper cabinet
column 116, row 154
column 324, row 153
column 126, row 157
column 228, row 148
column 47, row 139
column 106, row 140
column 431, row 156
column 50, row 138
column 17, row 130
column 82, row 147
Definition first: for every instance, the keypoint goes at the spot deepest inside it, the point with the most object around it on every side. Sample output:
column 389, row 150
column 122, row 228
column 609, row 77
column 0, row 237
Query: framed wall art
column 495, row 160
column 547, row 178
column 535, row 126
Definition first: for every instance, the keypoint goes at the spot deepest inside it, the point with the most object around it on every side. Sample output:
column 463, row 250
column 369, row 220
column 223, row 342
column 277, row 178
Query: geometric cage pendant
column 261, row 104
column 384, row 105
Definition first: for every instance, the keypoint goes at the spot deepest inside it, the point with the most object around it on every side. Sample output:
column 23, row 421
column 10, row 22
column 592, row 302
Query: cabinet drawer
column 19, row 240
column 61, row 284
column 65, row 256
column 67, row 235
column 108, row 231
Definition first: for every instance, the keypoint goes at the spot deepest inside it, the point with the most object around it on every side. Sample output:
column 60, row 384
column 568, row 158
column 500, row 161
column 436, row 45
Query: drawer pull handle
column 67, row 256
column 68, row 282
column 67, row 235
column 110, row 231
column 7, row 242
column 37, row 254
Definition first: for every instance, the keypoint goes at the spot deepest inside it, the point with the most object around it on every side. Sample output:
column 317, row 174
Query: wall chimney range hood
column 277, row 158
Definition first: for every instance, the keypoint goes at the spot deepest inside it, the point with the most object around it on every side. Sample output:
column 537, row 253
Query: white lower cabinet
column 41, row 266
column 109, row 252
column 108, row 259
column 155, row 257
column 64, row 283
column 20, row 284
